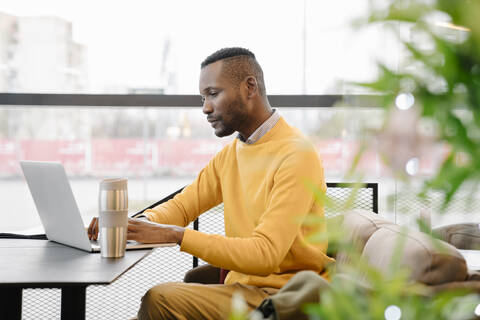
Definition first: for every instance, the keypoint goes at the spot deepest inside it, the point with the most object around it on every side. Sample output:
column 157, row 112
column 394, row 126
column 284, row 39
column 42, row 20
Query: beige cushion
column 358, row 226
column 473, row 275
column 462, row 235
column 429, row 262
column 362, row 224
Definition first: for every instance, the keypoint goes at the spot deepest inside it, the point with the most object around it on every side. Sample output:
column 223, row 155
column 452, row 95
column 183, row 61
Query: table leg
column 73, row 303
column 11, row 303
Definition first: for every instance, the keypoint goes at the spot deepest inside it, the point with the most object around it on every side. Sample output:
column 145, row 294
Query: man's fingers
column 134, row 221
column 91, row 228
column 133, row 232
column 95, row 230
column 132, row 228
column 132, row 235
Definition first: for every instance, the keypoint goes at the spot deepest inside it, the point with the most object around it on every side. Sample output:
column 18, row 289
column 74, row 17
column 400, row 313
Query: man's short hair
column 238, row 63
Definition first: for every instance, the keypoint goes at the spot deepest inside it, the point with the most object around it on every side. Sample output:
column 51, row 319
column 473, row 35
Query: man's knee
column 155, row 303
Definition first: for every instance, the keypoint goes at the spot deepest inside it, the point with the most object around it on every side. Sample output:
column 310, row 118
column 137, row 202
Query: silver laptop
column 58, row 211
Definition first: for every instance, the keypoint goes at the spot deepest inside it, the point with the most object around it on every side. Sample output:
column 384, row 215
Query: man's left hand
column 151, row 232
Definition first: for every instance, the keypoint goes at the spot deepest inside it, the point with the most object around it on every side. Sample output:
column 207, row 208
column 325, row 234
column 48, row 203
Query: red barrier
column 8, row 157
column 186, row 157
column 136, row 157
column 126, row 157
column 70, row 153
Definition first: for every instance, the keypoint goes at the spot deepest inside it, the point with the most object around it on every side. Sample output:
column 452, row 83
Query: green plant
column 440, row 78
column 439, row 82
column 362, row 292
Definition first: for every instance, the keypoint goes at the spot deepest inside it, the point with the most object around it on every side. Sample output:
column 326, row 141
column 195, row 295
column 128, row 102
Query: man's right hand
column 93, row 229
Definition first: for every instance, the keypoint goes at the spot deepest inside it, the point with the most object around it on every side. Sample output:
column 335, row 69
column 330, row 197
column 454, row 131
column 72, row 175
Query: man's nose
column 206, row 108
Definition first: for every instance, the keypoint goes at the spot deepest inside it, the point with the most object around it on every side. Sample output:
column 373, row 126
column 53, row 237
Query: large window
column 152, row 47
column 162, row 149
column 305, row 47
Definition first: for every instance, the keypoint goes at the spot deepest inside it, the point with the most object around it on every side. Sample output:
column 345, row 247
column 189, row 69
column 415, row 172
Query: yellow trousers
column 175, row 300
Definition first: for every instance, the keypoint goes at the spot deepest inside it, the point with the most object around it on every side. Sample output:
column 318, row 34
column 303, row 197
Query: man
column 261, row 179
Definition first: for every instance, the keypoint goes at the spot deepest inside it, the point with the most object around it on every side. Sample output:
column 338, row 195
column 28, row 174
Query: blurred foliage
column 442, row 72
column 359, row 291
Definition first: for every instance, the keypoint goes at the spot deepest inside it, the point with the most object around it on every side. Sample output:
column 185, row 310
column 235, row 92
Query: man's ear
column 252, row 86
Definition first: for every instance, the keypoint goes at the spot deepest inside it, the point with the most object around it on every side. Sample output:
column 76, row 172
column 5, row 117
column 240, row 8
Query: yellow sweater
column 262, row 186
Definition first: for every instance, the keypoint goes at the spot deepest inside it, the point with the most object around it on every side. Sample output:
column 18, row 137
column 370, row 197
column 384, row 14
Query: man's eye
column 213, row 93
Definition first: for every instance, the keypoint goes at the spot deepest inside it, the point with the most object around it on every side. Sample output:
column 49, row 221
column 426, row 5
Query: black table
column 46, row 264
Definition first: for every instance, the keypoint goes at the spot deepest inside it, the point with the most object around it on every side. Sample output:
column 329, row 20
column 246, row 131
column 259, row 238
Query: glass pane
column 156, row 47
column 162, row 149
column 159, row 150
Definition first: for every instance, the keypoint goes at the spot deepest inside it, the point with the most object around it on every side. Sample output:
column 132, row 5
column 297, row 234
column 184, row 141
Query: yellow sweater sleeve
column 203, row 194
column 288, row 204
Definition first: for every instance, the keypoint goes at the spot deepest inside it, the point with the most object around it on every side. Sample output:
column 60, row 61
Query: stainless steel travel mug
column 113, row 217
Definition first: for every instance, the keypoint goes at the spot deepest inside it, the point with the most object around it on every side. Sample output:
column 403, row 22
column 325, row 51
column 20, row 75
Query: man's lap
column 176, row 300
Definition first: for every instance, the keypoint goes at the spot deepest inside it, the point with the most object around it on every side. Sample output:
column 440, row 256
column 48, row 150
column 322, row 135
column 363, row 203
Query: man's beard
column 233, row 119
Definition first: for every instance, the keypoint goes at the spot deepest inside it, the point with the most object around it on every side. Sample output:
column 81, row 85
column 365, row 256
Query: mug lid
column 114, row 184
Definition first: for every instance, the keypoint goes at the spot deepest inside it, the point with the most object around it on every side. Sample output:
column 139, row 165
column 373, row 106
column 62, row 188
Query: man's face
column 222, row 102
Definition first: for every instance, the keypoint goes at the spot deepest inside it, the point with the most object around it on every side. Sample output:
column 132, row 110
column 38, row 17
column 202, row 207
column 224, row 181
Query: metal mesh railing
column 408, row 206
column 121, row 299
column 41, row 304
column 345, row 196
